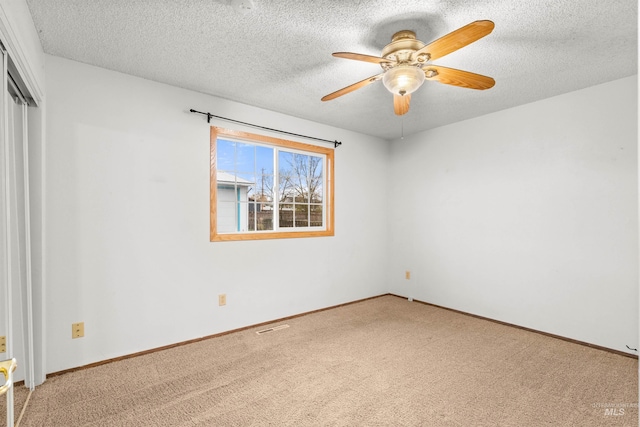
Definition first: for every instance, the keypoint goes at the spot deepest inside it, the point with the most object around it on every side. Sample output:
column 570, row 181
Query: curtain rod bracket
column 335, row 143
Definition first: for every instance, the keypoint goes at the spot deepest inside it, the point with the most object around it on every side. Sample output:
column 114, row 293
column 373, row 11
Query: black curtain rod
column 209, row 116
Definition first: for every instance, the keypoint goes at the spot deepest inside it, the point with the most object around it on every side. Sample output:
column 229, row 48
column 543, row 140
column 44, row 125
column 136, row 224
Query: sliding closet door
column 5, row 283
column 15, row 252
column 18, row 236
column 6, row 317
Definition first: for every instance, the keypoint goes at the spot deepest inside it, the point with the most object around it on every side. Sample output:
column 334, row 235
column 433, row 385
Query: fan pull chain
column 402, row 127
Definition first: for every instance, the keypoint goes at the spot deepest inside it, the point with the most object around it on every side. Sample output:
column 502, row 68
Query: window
column 268, row 188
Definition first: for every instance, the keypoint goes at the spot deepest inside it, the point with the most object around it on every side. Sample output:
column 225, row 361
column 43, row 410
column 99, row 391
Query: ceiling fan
column 406, row 64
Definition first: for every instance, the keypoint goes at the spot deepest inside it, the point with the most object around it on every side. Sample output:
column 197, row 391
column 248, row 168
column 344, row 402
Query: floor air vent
column 275, row 328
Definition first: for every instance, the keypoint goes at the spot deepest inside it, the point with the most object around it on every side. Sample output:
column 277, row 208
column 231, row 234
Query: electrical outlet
column 222, row 299
column 3, row 344
column 77, row 330
column 407, row 275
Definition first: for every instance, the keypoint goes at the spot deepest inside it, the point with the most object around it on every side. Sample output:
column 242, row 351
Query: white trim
column 30, row 377
column 41, row 348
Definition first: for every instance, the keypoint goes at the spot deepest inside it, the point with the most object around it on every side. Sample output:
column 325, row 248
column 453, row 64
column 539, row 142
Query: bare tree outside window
column 300, row 191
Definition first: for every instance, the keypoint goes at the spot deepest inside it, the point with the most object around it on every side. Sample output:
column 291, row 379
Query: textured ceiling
column 278, row 55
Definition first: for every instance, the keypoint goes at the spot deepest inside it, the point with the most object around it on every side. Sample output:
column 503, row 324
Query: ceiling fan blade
column 361, row 57
column 457, row 39
column 454, row 77
column 352, row 87
column 401, row 104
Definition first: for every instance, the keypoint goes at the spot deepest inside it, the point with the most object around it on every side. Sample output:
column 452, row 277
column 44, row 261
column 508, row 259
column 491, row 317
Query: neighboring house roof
column 228, row 178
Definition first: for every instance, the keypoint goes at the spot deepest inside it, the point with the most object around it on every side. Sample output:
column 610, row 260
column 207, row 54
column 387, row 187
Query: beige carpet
column 380, row 362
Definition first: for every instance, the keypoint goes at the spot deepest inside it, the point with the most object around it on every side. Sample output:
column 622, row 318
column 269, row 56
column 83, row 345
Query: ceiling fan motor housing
column 403, row 45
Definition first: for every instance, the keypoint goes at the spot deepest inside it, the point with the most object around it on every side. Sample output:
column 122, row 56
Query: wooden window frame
column 276, row 142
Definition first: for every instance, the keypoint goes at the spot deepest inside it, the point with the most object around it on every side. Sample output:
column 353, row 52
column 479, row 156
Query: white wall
column 128, row 221
column 528, row 215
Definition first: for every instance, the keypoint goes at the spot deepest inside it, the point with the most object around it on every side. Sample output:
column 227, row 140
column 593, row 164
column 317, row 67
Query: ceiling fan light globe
column 403, row 79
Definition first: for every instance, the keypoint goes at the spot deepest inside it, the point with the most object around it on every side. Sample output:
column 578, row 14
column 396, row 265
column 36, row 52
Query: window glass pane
column 286, row 215
column 264, row 216
column 315, row 178
column 225, row 155
column 318, row 193
column 242, row 215
column 264, row 160
column 264, row 181
column 315, row 216
column 246, row 179
column 285, row 190
column 264, row 188
column 233, row 209
column 252, row 217
column 227, row 217
column 226, row 192
column 285, row 177
column 302, row 216
column 245, row 157
column 300, row 177
column 246, row 184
